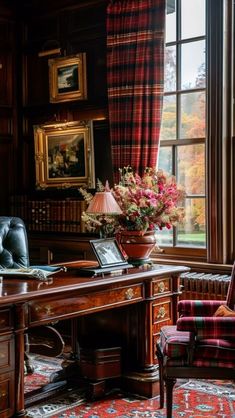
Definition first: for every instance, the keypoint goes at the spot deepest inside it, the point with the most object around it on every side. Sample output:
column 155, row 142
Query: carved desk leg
column 19, row 365
column 144, row 380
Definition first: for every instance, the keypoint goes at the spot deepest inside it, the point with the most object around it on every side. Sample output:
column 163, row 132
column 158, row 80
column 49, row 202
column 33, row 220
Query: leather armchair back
column 13, row 243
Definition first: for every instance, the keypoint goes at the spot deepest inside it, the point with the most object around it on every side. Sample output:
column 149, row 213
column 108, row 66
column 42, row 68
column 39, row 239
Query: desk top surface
column 14, row 289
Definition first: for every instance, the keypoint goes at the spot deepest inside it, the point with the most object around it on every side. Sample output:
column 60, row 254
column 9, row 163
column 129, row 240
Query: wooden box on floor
column 101, row 363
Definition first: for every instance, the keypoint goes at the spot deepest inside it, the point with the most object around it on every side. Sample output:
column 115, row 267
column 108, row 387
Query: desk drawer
column 43, row 310
column 161, row 314
column 162, row 286
column 7, row 395
column 7, row 358
column 5, row 319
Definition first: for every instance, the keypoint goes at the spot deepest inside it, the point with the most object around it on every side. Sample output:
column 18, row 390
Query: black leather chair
column 14, row 253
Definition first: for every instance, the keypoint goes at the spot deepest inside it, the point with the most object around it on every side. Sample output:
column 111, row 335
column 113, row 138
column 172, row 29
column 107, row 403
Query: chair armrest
column 208, row 327
column 198, row 307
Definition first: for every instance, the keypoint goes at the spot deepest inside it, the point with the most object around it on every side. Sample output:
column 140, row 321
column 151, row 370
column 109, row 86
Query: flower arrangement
column 147, row 203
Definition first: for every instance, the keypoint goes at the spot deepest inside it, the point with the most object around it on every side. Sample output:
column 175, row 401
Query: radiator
column 204, row 286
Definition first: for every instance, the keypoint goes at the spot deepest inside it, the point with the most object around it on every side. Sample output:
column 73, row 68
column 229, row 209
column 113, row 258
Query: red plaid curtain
column 135, row 66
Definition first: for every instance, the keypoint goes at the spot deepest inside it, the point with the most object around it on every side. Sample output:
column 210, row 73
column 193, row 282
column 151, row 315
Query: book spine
column 63, row 216
column 78, row 216
column 49, row 215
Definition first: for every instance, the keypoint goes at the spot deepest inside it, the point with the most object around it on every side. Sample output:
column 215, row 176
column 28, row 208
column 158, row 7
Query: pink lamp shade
column 104, row 203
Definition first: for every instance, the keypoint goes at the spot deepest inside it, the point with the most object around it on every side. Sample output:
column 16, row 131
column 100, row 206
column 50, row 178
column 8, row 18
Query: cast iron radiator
column 204, row 286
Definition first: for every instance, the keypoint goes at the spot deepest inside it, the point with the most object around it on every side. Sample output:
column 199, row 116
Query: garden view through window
column 183, row 130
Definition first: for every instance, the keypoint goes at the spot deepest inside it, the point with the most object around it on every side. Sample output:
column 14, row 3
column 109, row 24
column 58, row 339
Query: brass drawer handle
column 46, row 308
column 161, row 287
column 161, row 312
column 129, row 293
column 3, row 394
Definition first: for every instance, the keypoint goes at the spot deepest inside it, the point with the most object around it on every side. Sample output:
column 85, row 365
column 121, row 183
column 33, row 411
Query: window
column 183, row 131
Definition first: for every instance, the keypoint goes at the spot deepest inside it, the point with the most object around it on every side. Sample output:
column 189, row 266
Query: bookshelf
column 56, row 232
column 49, row 215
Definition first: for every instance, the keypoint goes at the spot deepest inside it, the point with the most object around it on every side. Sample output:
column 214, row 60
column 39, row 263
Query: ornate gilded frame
column 64, row 155
column 67, row 78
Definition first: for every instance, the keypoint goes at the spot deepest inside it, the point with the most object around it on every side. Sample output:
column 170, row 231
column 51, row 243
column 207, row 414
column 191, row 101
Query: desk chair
column 200, row 346
column 14, row 253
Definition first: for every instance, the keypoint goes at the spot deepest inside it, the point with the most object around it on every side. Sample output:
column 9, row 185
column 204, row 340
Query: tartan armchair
column 200, row 346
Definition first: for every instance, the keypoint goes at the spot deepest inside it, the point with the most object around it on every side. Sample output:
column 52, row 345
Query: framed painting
column 67, row 78
column 64, row 155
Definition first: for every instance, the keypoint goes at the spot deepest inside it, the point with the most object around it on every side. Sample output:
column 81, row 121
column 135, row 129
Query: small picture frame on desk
column 108, row 252
column 109, row 257
column 64, row 155
column 67, row 78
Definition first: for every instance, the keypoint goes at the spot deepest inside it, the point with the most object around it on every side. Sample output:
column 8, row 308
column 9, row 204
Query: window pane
column 165, row 159
column 192, row 124
column 170, row 22
column 170, row 69
column 193, row 65
column 168, row 127
column 192, row 233
column 164, row 237
column 191, row 168
column 193, row 18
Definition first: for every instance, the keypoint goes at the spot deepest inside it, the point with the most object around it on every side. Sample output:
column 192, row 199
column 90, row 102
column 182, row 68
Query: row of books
column 50, row 215
column 205, row 286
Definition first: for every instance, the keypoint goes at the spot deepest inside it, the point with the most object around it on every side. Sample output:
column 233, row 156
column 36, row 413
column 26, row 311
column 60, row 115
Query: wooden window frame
column 220, row 150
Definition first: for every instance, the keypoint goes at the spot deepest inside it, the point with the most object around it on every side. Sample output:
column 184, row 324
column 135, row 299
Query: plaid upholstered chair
column 200, row 346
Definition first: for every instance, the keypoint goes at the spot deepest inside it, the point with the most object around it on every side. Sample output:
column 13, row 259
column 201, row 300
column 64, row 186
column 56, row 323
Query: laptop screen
column 108, row 252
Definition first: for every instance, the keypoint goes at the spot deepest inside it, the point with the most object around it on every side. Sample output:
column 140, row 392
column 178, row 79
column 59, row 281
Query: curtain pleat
column 135, row 76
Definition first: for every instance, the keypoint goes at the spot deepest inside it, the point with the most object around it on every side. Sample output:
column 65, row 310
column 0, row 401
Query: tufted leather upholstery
column 13, row 243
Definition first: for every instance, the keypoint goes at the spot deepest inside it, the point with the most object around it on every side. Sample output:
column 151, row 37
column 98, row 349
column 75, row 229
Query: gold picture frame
column 67, row 78
column 64, row 155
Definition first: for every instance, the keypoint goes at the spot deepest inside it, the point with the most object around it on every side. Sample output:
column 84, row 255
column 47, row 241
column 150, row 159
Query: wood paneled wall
column 27, row 28
column 8, row 108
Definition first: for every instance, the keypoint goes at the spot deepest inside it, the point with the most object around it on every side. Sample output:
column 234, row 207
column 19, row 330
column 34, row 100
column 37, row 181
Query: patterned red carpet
column 193, row 399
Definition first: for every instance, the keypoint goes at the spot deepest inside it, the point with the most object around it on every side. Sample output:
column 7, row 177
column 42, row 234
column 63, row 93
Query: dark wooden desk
column 149, row 295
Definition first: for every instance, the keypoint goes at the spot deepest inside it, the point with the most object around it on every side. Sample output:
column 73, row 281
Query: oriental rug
column 192, row 399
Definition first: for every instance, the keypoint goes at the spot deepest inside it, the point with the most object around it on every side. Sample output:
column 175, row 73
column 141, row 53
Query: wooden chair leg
column 28, row 366
column 169, row 382
column 161, row 381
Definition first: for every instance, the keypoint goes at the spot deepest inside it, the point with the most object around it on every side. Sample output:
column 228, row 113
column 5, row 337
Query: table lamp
column 103, row 203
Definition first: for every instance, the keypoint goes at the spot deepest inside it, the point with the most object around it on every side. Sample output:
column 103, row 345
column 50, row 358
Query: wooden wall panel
column 6, row 77
column 73, row 28
column 6, row 126
column 6, row 28
column 8, row 114
column 40, row 30
column 6, row 167
column 35, row 81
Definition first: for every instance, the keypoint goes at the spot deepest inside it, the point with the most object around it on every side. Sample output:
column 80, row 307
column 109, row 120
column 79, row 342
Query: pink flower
column 156, row 195
column 148, row 202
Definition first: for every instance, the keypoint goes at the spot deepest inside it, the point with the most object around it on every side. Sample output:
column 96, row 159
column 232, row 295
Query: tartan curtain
column 135, row 76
